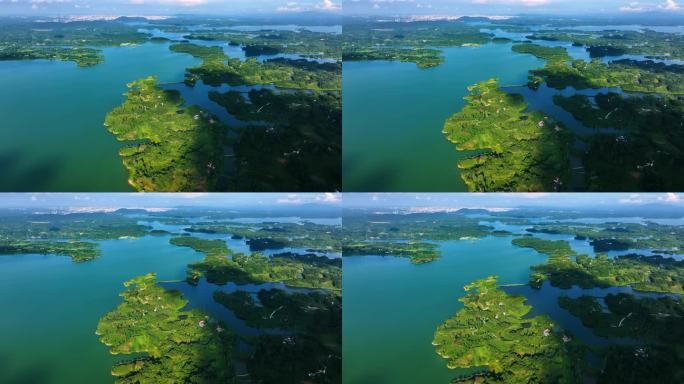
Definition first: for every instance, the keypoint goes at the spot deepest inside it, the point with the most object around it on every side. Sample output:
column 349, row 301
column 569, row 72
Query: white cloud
column 290, row 6
column 533, row 195
column 634, row 6
column 290, row 199
column 185, row 3
column 331, row 197
column 526, row 3
column 671, row 5
column 190, row 195
column 670, row 198
column 329, row 5
column 634, row 198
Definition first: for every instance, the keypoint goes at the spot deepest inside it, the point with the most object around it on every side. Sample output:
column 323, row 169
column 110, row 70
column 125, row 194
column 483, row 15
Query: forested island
column 521, row 150
column 177, row 345
column 172, row 148
column 275, row 315
column 494, row 335
column 640, row 71
column 223, row 151
column 626, row 294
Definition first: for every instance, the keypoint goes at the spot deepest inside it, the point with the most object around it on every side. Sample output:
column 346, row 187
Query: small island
column 179, row 345
column 493, row 336
column 170, row 148
column 518, row 150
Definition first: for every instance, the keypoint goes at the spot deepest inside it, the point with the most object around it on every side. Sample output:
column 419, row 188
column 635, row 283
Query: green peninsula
column 423, row 57
column 182, row 346
column 170, row 148
column 77, row 250
column 280, row 235
column 217, row 69
column 519, row 150
column 543, row 52
column 630, row 75
column 83, row 57
column 493, row 336
column 565, row 268
column 77, row 41
column 418, row 252
column 221, row 266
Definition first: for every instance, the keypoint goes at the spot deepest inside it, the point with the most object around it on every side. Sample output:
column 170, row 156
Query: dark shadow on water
column 28, row 374
column 20, row 175
column 381, row 179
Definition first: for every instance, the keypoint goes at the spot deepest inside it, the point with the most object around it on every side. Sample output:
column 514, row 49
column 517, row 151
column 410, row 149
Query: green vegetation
column 312, row 352
column 312, row 313
column 72, row 226
column 543, row 52
column 657, row 322
column 616, row 43
column 302, row 42
column 171, row 148
column 630, row 75
column 178, row 346
column 280, row 235
column 623, row 236
column 69, row 234
column 84, row 57
column 28, row 39
column 565, row 268
column 371, row 228
column 217, row 69
column 419, row 253
column 302, row 131
column 200, row 51
column 77, row 250
column 647, row 156
column 423, row 57
column 221, row 266
column 520, row 151
column 494, row 335
column 408, row 42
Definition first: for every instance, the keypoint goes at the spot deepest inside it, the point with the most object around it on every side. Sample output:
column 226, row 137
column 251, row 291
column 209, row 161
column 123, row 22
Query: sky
column 162, row 200
column 507, row 200
column 372, row 200
column 164, row 7
column 413, row 7
column 508, row 7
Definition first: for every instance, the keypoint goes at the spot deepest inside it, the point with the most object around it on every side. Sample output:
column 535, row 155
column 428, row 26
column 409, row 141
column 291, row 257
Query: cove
column 53, row 137
column 393, row 307
column 54, row 306
column 393, row 114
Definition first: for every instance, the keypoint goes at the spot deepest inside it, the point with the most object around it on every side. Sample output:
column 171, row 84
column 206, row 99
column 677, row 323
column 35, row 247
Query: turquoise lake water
column 49, row 335
column 393, row 116
column 52, row 136
column 392, row 307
